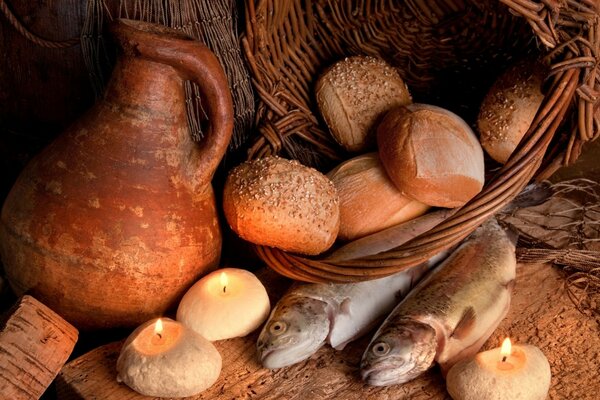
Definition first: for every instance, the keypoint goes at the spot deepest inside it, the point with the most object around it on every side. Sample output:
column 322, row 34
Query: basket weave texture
column 448, row 51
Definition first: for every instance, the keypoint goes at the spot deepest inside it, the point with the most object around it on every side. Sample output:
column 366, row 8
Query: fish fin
column 465, row 325
column 466, row 353
column 345, row 306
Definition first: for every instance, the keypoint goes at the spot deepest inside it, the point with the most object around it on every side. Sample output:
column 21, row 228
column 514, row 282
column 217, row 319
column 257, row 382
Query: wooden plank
column 541, row 314
column 35, row 343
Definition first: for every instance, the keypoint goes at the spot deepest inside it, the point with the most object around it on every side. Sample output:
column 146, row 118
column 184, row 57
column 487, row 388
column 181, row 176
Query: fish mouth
column 277, row 357
column 273, row 359
column 378, row 377
column 384, row 375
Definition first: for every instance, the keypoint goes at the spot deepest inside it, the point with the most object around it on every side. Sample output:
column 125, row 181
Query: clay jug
column 116, row 218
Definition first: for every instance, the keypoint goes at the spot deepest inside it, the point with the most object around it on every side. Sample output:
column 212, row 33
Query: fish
column 450, row 314
column 310, row 315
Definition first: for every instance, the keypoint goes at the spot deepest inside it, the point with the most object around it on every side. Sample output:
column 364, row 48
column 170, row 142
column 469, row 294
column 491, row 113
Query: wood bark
column 541, row 314
column 35, row 343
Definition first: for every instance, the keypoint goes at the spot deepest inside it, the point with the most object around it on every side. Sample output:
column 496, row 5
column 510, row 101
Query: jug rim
column 126, row 29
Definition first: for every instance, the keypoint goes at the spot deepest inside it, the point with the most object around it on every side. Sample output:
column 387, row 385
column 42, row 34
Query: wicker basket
column 450, row 52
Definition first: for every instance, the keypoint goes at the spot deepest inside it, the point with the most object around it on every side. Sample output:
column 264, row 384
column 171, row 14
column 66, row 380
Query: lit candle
column 224, row 304
column 163, row 358
column 506, row 373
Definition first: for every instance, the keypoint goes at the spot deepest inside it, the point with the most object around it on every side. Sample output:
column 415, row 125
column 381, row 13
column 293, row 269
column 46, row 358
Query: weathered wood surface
column 541, row 315
column 35, row 343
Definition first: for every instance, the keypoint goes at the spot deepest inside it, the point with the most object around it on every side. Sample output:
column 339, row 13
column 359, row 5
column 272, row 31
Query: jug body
column 116, row 218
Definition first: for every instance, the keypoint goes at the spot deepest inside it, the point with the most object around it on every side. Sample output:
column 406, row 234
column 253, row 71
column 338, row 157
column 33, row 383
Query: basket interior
column 448, row 52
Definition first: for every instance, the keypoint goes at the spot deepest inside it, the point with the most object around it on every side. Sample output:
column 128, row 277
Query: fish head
column 399, row 353
column 296, row 329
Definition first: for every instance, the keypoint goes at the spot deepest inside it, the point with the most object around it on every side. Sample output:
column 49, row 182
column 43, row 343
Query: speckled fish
column 310, row 315
column 449, row 314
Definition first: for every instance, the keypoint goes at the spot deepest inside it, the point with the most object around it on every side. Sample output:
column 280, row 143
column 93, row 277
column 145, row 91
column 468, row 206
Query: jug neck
column 143, row 88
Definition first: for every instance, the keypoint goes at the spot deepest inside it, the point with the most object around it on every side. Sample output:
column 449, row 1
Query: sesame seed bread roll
column 431, row 155
column 354, row 94
column 509, row 107
column 282, row 203
column 369, row 200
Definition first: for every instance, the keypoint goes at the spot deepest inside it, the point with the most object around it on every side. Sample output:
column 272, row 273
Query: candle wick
column 159, row 335
column 504, row 359
column 224, row 289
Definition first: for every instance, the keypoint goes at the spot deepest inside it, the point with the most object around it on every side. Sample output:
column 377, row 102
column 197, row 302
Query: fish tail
column 534, row 194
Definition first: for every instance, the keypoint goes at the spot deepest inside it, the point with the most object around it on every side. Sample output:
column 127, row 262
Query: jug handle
column 202, row 67
column 197, row 63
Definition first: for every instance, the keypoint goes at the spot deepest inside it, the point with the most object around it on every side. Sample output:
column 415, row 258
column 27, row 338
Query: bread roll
column 369, row 201
column 281, row 203
column 509, row 108
column 353, row 94
column 431, row 155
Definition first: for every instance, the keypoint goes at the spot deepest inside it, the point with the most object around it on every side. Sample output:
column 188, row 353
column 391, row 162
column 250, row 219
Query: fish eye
column 380, row 349
column 278, row 327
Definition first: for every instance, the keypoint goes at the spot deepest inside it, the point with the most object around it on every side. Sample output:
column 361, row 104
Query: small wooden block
column 35, row 343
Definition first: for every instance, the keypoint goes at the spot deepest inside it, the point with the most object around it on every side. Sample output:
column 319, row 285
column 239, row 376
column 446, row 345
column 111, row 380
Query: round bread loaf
column 369, row 200
column 509, row 107
column 431, row 155
column 282, row 203
column 354, row 94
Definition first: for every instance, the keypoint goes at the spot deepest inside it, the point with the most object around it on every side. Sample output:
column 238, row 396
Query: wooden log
column 35, row 343
column 541, row 314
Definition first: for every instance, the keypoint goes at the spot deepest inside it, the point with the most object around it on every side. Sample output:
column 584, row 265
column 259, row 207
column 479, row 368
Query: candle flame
column 506, row 348
column 158, row 327
column 224, row 281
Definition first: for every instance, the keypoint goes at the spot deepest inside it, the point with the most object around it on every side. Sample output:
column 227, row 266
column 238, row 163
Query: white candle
column 505, row 373
column 163, row 358
column 224, row 304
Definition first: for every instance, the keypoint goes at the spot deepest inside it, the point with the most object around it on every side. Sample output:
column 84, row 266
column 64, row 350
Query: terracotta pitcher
column 114, row 220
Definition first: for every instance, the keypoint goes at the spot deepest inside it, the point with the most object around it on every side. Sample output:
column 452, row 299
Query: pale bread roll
column 509, row 108
column 369, row 200
column 431, row 155
column 354, row 94
column 282, row 203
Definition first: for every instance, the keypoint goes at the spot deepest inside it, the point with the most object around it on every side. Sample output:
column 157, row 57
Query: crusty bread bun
column 282, row 203
column 509, row 107
column 369, row 200
column 354, row 94
column 431, row 155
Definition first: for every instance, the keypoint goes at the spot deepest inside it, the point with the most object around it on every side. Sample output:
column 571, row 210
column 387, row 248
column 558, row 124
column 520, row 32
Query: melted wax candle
column 163, row 358
column 224, row 304
column 506, row 373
